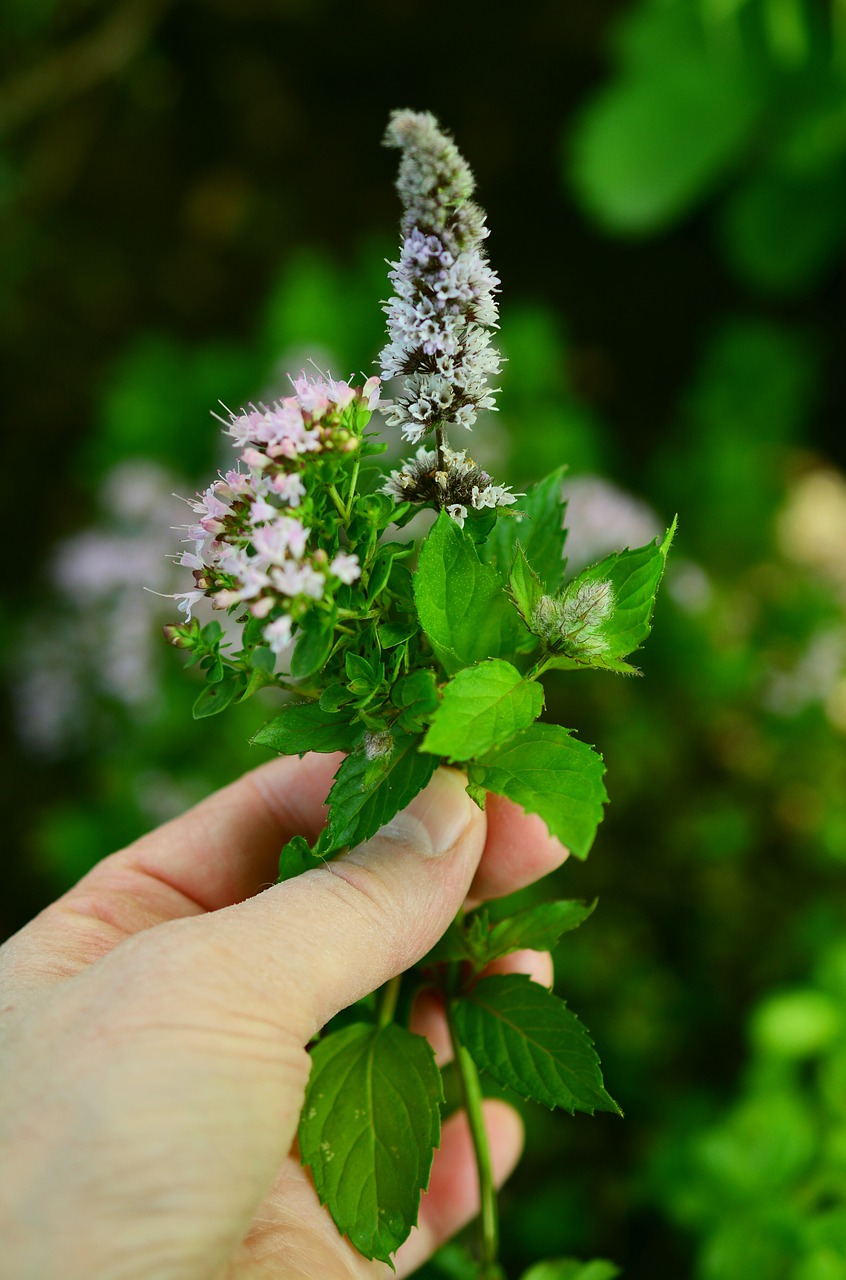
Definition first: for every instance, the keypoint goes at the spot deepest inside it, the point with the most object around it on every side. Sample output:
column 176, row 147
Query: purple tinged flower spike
column 444, row 301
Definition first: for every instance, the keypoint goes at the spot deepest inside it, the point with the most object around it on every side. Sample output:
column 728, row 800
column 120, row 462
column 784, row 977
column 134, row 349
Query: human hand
column 153, row 1024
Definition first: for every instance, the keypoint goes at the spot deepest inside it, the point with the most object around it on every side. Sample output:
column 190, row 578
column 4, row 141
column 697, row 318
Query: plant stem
column 336, row 498
column 539, row 668
column 388, row 1000
column 353, row 483
column 471, row 1091
column 440, row 445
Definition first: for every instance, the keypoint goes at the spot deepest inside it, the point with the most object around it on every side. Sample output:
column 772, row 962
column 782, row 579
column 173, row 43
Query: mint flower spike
column 444, row 304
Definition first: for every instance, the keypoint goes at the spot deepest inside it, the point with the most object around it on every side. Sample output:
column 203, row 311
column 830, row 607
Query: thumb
column 319, row 942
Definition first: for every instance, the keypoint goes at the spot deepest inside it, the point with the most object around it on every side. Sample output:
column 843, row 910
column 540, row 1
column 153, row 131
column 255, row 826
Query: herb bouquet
column 406, row 656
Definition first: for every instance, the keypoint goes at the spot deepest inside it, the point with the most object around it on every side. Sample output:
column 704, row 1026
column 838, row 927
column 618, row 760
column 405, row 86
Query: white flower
column 277, row 634
column 444, row 288
column 346, row 567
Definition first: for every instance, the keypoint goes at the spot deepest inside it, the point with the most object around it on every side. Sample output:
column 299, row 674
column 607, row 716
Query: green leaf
column 460, row 601
column 537, row 928
column 356, row 810
column 529, row 1041
column 609, row 608
column 305, row 726
column 573, row 1269
column 217, row 697
column 524, row 585
column 295, row 858
column 482, row 706
column 417, row 696
column 548, row 772
column 335, row 696
column 539, row 525
column 314, row 645
column 383, row 563
column 394, row 633
column 369, row 1128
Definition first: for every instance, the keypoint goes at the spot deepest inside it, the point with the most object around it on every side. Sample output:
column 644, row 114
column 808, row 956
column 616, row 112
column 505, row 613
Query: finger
column 518, row 852
column 453, row 1196
column 219, row 852
column 315, row 944
column 427, row 1015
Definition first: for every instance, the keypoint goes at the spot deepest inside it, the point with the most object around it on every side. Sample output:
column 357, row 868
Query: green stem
column 539, row 667
column 353, row 483
column 339, row 505
column 388, row 1000
column 471, row 1091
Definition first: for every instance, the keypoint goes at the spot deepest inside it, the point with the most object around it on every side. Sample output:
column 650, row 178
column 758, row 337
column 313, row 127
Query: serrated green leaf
column 313, row 646
column 356, row 810
column 540, row 530
column 305, row 726
column 529, row 1041
column 537, row 928
column 482, row 706
column 550, row 773
column 610, row 607
column 216, row 697
column 460, row 601
column 369, row 1128
column 573, row 1269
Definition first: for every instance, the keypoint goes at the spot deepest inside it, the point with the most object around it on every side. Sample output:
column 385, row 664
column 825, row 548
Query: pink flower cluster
column 249, row 547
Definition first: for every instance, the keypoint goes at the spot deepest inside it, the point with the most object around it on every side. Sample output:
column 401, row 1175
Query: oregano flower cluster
column 404, row 655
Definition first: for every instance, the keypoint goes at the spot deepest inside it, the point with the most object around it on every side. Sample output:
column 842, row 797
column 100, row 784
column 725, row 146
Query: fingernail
column 436, row 818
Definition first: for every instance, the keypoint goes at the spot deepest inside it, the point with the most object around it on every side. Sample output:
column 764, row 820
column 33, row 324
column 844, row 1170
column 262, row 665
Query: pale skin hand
column 153, row 1023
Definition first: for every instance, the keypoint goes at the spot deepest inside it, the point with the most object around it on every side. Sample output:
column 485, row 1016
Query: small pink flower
column 346, row 567
column 289, row 486
column 278, row 633
column 276, row 541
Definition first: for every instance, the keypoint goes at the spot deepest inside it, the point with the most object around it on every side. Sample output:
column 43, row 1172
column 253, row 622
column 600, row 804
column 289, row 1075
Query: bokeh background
column 192, row 201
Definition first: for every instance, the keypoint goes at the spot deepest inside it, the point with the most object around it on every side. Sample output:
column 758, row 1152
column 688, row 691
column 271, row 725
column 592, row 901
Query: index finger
column 519, row 851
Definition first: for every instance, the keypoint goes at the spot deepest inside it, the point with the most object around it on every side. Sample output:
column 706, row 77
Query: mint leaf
column 305, row 726
column 357, row 810
column 572, row 1269
column 540, row 530
column 530, row 1041
column 548, row 772
column 460, row 601
column 606, row 610
column 537, row 928
column 482, row 706
column 369, row 1127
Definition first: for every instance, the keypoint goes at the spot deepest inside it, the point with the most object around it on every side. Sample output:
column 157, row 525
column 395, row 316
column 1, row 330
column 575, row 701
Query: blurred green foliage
column 190, row 223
